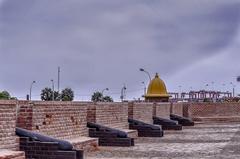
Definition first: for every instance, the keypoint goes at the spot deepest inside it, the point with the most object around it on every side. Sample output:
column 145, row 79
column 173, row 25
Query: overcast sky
column 103, row 43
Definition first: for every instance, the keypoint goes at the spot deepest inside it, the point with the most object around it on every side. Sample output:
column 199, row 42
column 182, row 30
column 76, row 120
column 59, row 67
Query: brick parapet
column 114, row 115
column 162, row 110
column 213, row 109
column 141, row 111
column 8, row 139
column 177, row 108
column 62, row 120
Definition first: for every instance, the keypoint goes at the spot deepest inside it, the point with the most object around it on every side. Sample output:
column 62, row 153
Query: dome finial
column 156, row 76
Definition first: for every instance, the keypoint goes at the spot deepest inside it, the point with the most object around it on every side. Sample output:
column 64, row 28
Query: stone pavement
column 211, row 141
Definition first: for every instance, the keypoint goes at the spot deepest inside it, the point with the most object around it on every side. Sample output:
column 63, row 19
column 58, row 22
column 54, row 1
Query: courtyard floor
column 211, row 141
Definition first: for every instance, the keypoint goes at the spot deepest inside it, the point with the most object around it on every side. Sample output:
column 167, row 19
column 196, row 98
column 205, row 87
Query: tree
column 67, row 94
column 5, row 95
column 107, row 99
column 98, row 97
column 47, row 94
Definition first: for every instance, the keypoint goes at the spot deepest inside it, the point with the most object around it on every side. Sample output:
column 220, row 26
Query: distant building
column 157, row 91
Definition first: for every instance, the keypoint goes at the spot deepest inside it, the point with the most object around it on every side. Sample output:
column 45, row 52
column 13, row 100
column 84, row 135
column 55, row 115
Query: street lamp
column 141, row 69
column 206, row 87
column 123, row 92
column 233, row 89
column 212, row 85
column 224, row 89
column 105, row 89
column 180, row 91
column 144, row 88
column 30, row 94
column 52, row 90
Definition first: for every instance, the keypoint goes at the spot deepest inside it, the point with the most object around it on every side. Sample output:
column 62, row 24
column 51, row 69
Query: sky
column 102, row 44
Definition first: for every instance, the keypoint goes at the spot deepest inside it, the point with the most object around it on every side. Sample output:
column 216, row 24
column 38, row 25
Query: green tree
column 67, row 94
column 98, row 97
column 5, row 95
column 47, row 94
column 107, row 99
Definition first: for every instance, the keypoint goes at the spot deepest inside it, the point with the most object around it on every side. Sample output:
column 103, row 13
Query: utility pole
column 52, row 90
column 59, row 78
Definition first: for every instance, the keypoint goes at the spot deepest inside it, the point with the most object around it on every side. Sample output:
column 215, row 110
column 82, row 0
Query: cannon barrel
column 182, row 120
column 119, row 133
column 137, row 122
column 164, row 121
column 62, row 145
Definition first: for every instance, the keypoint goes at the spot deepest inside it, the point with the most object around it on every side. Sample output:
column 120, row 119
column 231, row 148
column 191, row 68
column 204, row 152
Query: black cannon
column 109, row 136
column 36, row 145
column 145, row 129
column 167, row 124
column 182, row 120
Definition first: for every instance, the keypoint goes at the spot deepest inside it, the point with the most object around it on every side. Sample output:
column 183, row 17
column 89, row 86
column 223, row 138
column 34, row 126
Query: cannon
column 109, row 136
column 182, row 120
column 62, row 145
column 36, row 145
column 99, row 127
column 167, row 124
column 145, row 129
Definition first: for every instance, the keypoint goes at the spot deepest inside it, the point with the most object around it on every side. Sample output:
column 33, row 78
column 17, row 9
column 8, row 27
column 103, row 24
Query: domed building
column 157, row 91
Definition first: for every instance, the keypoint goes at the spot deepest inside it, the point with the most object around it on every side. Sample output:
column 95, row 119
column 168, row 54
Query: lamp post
column 123, row 92
column 224, row 89
column 52, row 90
column 30, row 94
column 180, row 91
column 233, row 89
column 144, row 88
column 212, row 85
column 142, row 70
column 206, row 86
column 105, row 89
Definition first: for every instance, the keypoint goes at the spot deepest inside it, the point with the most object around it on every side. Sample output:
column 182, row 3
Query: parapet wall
column 177, row 108
column 213, row 109
column 114, row 115
column 8, row 139
column 62, row 120
column 162, row 110
column 141, row 111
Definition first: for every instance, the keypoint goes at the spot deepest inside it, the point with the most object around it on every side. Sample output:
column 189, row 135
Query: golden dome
column 157, row 88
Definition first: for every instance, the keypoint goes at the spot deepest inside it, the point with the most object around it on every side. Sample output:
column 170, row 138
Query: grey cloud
column 103, row 44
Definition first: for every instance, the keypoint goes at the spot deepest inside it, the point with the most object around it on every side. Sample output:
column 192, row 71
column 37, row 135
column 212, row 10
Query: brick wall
column 48, row 150
column 8, row 154
column 141, row 111
column 213, row 109
column 177, row 108
column 8, row 139
column 162, row 110
column 114, row 115
column 62, row 120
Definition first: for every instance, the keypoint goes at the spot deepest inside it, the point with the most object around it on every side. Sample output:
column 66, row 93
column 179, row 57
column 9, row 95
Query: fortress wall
column 114, row 115
column 162, row 110
column 177, row 108
column 8, row 139
column 141, row 111
column 63, row 120
column 213, row 109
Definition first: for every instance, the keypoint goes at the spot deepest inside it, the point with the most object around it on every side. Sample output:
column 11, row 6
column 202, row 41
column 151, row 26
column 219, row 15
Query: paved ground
column 211, row 141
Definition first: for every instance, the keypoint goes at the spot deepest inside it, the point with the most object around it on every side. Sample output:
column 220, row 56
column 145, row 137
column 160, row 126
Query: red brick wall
column 162, row 110
column 141, row 111
column 63, row 120
column 114, row 115
column 8, row 139
column 213, row 109
column 177, row 108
